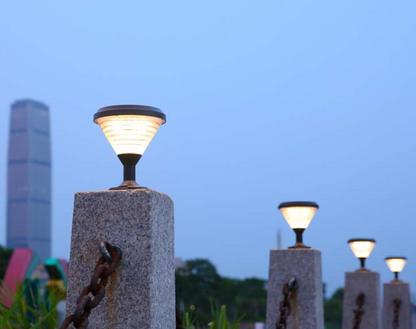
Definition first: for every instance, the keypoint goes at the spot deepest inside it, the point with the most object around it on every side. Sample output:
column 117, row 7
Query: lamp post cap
column 361, row 240
column 298, row 204
column 130, row 110
column 397, row 257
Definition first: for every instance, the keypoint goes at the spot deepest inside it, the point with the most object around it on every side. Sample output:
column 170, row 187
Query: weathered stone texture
column 307, row 304
column 141, row 294
column 368, row 283
column 397, row 290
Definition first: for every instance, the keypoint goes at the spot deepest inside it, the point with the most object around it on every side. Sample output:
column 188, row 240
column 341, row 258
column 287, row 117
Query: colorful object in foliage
column 58, row 274
column 22, row 265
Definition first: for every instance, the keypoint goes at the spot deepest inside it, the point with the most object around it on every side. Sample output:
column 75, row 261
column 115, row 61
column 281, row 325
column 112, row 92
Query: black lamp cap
column 391, row 257
column 361, row 240
column 130, row 110
column 298, row 204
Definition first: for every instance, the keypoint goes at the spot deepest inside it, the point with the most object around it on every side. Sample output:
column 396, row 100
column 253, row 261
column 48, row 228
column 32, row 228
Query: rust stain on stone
column 111, row 292
column 295, row 311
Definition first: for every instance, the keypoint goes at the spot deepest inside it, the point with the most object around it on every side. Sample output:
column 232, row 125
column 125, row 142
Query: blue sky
column 267, row 101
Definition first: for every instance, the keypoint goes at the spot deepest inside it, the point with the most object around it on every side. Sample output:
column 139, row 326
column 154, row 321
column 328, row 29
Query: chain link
column 358, row 312
column 289, row 290
column 94, row 293
column 397, row 303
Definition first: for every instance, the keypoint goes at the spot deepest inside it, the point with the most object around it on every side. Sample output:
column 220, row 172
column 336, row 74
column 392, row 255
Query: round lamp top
column 396, row 264
column 361, row 240
column 298, row 204
column 130, row 110
column 403, row 258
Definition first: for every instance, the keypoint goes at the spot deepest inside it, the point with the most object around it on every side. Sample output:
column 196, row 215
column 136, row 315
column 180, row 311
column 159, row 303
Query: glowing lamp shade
column 362, row 249
column 129, row 134
column 396, row 264
column 129, row 129
column 298, row 214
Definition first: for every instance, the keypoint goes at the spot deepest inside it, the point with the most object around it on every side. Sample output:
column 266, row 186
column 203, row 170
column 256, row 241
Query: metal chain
column 358, row 312
column 289, row 290
column 397, row 303
column 106, row 265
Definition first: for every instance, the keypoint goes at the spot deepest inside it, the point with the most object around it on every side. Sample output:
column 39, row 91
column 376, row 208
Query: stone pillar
column 307, row 303
column 141, row 293
column 401, row 291
column 368, row 283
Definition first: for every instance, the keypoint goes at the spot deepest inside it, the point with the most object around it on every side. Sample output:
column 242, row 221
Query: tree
column 5, row 255
column 333, row 310
column 199, row 284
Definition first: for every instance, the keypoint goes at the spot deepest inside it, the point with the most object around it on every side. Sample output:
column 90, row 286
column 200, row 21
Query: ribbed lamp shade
column 129, row 129
column 298, row 217
column 362, row 248
column 129, row 134
column 396, row 264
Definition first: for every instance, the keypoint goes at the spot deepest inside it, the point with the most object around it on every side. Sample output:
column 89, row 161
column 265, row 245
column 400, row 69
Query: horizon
column 265, row 104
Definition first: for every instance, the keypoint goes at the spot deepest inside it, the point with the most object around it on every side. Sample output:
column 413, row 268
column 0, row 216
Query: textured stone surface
column 307, row 304
column 369, row 284
column 141, row 294
column 399, row 290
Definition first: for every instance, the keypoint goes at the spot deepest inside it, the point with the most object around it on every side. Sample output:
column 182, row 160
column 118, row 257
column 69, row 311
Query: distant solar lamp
column 298, row 215
column 362, row 249
column 129, row 129
column 396, row 265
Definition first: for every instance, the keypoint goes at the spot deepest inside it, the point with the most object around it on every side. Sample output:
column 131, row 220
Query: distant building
column 29, row 178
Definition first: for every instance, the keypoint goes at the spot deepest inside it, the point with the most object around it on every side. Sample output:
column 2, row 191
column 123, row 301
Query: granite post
column 307, row 304
column 400, row 291
column 367, row 283
column 141, row 293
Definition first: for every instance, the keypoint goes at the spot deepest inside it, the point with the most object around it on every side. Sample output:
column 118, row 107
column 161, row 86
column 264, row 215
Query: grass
column 31, row 308
column 220, row 320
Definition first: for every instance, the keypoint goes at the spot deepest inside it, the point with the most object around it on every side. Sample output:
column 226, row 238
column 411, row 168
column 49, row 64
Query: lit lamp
column 298, row 215
column 396, row 265
column 129, row 129
column 362, row 249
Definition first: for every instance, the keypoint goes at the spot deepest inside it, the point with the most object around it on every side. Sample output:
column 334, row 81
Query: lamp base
column 299, row 246
column 396, row 281
column 362, row 270
column 299, row 239
column 128, row 185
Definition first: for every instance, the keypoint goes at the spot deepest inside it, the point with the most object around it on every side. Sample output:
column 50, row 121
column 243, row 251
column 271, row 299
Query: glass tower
column 29, row 178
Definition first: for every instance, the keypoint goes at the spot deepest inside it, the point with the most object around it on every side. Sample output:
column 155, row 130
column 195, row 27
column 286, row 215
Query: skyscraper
column 29, row 178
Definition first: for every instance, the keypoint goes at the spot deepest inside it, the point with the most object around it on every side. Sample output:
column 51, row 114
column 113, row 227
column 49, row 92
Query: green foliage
column 333, row 310
column 5, row 255
column 30, row 309
column 219, row 318
column 189, row 318
column 199, row 283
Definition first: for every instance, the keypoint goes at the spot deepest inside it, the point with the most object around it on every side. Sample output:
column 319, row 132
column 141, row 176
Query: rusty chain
column 397, row 303
column 289, row 290
column 106, row 265
column 358, row 312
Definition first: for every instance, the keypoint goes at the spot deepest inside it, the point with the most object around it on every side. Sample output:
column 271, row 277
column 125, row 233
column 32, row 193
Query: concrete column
column 368, row 283
column 141, row 293
column 307, row 303
column 401, row 291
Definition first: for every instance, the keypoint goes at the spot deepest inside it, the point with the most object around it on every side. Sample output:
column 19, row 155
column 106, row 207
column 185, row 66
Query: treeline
column 5, row 255
column 198, row 284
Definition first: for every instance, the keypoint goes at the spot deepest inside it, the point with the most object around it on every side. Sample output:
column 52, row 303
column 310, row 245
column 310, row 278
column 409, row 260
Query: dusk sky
column 266, row 101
